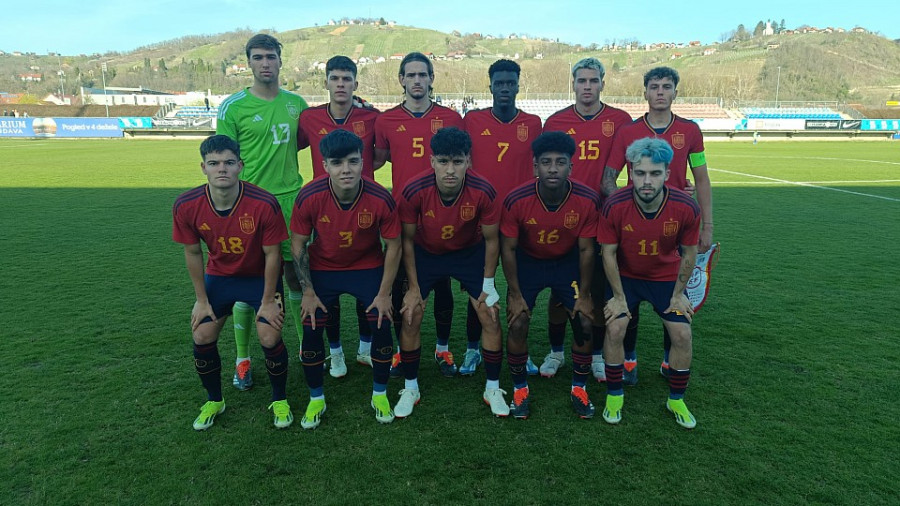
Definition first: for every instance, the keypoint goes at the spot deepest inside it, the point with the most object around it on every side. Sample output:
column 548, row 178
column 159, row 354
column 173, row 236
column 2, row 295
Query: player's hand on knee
column 382, row 303
column 516, row 308
column 584, row 305
column 308, row 306
column 272, row 313
column 681, row 306
column 614, row 307
column 411, row 301
column 200, row 312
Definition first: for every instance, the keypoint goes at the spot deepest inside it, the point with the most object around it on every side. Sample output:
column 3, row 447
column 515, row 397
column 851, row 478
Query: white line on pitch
column 810, row 158
column 717, row 183
column 808, row 185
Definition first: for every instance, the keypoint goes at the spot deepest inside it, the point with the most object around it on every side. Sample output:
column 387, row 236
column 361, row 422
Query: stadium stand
column 195, row 111
column 789, row 113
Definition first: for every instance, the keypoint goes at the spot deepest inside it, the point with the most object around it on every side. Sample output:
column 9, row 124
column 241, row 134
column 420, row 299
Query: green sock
column 243, row 320
column 294, row 305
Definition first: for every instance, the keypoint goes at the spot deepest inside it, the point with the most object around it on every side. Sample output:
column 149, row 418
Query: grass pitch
column 794, row 379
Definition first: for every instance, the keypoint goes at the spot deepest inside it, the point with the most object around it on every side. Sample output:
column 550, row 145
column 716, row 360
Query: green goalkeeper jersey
column 267, row 133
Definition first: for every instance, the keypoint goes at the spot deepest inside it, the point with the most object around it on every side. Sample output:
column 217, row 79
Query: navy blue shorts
column 466, row 265
column 560, row 275
column 657, row 293
column 362, row 284
column 224, row 291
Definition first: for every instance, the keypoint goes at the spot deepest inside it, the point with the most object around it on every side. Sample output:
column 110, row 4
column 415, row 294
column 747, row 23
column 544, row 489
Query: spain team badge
column 608, row 128
column 359, row 128
column 571, row 220
column 467, row 212
column 522, row 133
column 678, row 140
column 365, row 219
column 670, row 228
column 436, row 124
column 247, row 225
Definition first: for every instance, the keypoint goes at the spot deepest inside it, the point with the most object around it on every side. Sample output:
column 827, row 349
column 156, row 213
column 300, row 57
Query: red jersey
column 501, row 152
column 345, row 239
column 445, row 227
column 648, row 245
column 544, row 233
column 593, row 139
column 408, row 138
column 235, row 240
column 317, row 122
column 682, row 134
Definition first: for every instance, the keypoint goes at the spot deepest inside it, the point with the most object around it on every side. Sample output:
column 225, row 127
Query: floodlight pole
column 777, row 86
column 105, row 96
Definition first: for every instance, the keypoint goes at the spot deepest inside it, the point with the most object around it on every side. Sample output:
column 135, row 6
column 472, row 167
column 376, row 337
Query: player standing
column 592, row 124
column 501, row 153
column 642, row 229
column 402, row 136
column 262, row 118
column 684, row 136
column 348, row 217
column 316, row 122
column 450, row 219
column 548, row 229
column 242, row 227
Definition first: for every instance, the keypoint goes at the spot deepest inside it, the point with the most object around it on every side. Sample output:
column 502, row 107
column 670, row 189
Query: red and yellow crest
column 247, row 225
column 608, row 128
column 571, row 220
column 670, row 228
column 365, row 219
column 678, row 140
column 359, row 128
column 436, row 124
column 522, row 133
column 467, row 212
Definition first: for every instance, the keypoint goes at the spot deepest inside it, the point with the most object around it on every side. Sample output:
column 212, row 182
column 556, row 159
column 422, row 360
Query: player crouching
column 450, row 228
column 242, row 227
column 642, row 228
column 349, row 216
column 548, row 229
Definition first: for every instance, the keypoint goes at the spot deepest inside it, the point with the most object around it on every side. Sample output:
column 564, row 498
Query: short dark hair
column 451, row 141
column 340, row 62
column 416, row 56
column 219, row 144
column 661, row 73
column 559, row 142
column 263, row 41
column 504, row 65
column 339, row 144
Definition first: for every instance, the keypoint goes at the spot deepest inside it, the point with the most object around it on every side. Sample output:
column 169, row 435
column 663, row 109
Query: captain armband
column 697, row 159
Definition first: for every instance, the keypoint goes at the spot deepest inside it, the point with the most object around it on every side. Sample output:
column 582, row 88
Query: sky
column 97, row 26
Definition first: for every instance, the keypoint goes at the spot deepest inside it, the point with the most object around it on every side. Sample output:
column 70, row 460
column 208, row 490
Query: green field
column 794, row 383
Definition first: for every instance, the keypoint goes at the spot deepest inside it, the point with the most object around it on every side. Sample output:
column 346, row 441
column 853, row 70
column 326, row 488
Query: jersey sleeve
column 591, row 220
column 390, row 224
column 182, row 231
column 509, row 225
column 606, row 228
column 275, row 229
column 696, row 154
column 226, row 125
column 691, row 234
column 491, row 214
column 302, row 138
column 300, row 219
column 381, row 139
column 616, row 158
column 408, row 210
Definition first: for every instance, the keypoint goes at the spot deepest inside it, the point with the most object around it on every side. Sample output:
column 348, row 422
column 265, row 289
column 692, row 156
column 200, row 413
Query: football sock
column 581, row 368
column 243, row 320
column 667, row 345
column 365, row 345
column 517, row 368
column 678, row 382
column 277, row 367
column 294, row 307
column 209, row 368
column 443, row 311
column 495, row 384
column 614, row 379
column 438, row 348
column 492, row 361
column 333, row 326
column 473, row 328
column 313, row 355
column 411, row 359
column 379, row 388
column 556, row 332
column 630, row 360
column 381, row 348
column 411, row 384
column 632, row 330
column 362, row 321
